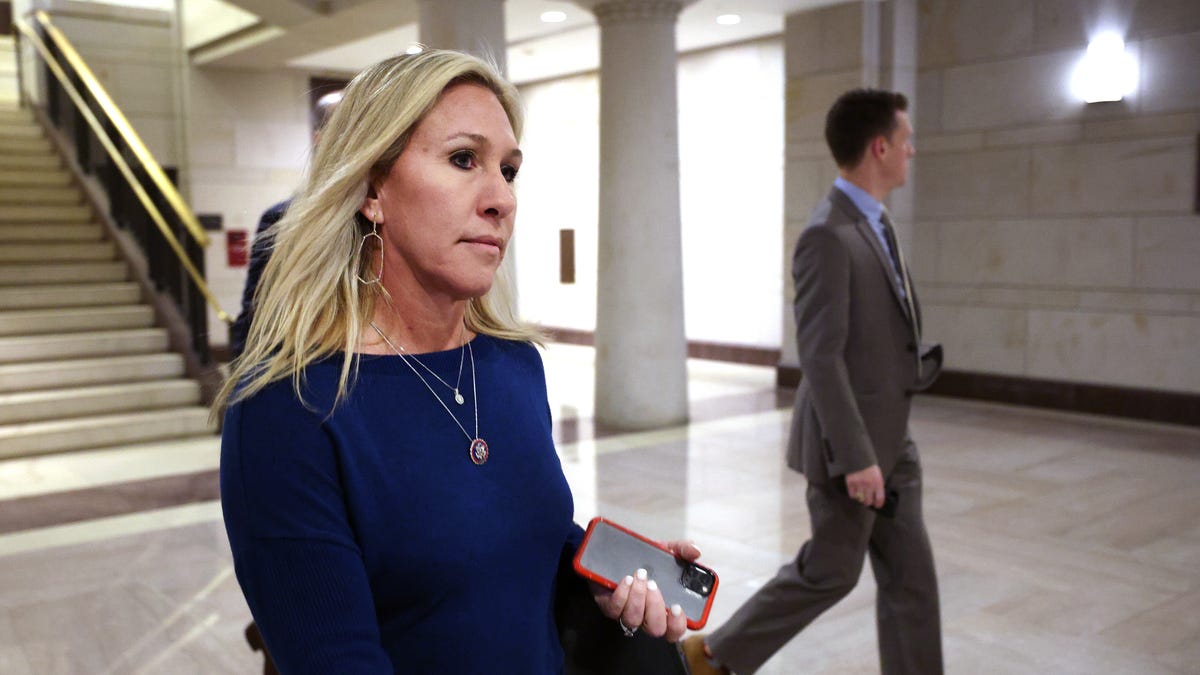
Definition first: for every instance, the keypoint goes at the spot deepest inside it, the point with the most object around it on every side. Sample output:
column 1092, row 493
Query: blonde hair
column 310, row 303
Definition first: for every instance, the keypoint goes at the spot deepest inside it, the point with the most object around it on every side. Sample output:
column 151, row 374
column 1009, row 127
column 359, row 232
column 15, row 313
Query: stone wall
column 1056, row 239
column 1050, row 238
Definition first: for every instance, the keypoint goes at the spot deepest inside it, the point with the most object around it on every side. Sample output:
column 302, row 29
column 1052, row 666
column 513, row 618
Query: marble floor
column 1064, row 544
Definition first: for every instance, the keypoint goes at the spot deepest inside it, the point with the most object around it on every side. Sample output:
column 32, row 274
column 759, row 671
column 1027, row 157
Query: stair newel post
column 54, row 95
column 82, row 135
column 197, row 310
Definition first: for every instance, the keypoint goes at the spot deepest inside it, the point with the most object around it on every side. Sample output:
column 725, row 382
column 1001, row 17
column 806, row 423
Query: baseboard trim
column 1142, row 404
column 714, row 351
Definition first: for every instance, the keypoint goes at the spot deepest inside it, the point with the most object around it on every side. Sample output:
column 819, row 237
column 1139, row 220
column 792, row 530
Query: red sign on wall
column 237, row 248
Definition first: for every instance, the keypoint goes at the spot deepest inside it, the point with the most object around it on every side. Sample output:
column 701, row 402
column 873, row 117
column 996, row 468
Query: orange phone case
column 626, row 550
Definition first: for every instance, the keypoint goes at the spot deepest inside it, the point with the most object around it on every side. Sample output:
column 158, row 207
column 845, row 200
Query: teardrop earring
column 363, row 252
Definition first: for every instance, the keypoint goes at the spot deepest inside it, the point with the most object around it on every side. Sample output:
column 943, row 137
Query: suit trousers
column 828, row 567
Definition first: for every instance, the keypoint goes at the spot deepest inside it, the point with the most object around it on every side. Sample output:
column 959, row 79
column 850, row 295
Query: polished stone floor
column 1065, row 544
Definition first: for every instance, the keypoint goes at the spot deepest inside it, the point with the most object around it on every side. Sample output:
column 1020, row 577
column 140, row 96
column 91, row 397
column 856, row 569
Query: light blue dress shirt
column 873, row 210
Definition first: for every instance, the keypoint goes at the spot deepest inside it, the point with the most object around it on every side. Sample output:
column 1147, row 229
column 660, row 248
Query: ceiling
column 345, row 36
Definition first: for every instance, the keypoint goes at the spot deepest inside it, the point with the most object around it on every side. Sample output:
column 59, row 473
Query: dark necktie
column 889, row 233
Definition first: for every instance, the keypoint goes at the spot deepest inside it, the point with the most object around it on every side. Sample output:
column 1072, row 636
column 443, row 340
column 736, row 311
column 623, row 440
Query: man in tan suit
column 858, row 332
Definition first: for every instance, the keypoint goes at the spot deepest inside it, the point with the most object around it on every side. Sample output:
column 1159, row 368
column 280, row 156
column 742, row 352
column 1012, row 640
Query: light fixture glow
column 729, row 19
column 1108, row 72
column 414, row 49
column 554, row 17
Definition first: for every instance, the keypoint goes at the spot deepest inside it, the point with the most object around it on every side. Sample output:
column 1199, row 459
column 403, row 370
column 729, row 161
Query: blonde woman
column 389, row 482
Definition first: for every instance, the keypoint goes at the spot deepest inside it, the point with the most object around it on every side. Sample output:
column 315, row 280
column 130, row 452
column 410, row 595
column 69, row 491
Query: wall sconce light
column 1108, row 72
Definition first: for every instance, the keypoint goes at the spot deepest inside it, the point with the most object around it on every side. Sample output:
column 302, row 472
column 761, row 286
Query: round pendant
column 458, row 398
column 479, row 451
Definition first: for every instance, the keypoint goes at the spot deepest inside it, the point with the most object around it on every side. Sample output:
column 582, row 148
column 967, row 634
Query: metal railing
column 142, row 199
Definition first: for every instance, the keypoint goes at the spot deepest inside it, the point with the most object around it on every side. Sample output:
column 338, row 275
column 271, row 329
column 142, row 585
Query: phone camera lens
column 697, row 580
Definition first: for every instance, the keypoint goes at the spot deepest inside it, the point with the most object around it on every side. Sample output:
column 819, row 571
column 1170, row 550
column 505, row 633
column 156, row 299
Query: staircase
column 82, row 364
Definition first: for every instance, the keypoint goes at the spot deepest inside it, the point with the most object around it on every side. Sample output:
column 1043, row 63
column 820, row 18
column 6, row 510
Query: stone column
column 641, row 348
column 474, row 26
column 900, row 74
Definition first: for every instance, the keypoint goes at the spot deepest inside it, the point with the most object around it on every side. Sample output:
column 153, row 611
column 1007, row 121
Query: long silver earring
column 362, row 252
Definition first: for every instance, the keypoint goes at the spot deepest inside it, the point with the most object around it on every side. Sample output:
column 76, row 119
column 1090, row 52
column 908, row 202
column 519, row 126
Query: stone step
column 75, row 213
column 87, row 372
column 29, row 161
column 74, row 295
column 23, row 253
column 14, row 114
column 53, row 196
column 74, row 320
column 26, row 146
column 38, row 438
column 20, row 130
column 40, row 178
column 58, row 274
column 53, row 232
column 31, row 348
column 33, row 406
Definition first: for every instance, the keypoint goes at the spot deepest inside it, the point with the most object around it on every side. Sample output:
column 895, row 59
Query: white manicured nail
column 676, row 610
column 651, row 585
column 641, row 574
column 628, row 580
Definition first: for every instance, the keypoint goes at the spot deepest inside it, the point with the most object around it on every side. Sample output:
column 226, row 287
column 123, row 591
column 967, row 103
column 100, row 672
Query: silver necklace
column 478, row 450
column 458, row 397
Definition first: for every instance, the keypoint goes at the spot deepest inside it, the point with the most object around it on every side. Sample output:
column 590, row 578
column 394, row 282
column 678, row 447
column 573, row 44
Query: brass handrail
column 124, row 128
column 124, row 167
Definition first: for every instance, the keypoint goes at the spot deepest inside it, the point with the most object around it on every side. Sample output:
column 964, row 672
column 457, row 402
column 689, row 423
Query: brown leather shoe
column 697, row 660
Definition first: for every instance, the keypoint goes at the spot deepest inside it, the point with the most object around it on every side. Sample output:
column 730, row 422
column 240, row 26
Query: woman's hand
column 637, row 603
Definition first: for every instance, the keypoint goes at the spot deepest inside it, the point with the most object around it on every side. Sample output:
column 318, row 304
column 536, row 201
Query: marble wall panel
column 929, row 97
column 271, row 144
column 1129, row 349
column 824, row 39
column 144, row 89
column 211, row 141
column 249, row 95
column 958, row 31
column 923, row 251
column 115, row 38
column 1164, row 17
column 808, row 149
column 158, row 133
column 809, row 99
column 948, row 142
column 992, row 183
column 1167, row 253
column 1068, row 23
column 807, row 181
column 979, row 339
column 1077, row 252
column 1035, row 135
column 1140, row 301
column 1142, row 126
column 1026, row 90
column 1170, row 76
column 1110, row 178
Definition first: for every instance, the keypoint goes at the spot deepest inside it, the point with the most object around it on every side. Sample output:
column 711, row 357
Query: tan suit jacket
column 858, row 348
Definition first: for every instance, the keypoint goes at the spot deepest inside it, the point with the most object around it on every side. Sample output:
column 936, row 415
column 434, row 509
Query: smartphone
column 610, row 552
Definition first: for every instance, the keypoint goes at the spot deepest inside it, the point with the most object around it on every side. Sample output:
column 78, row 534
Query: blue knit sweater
column 366, row 541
